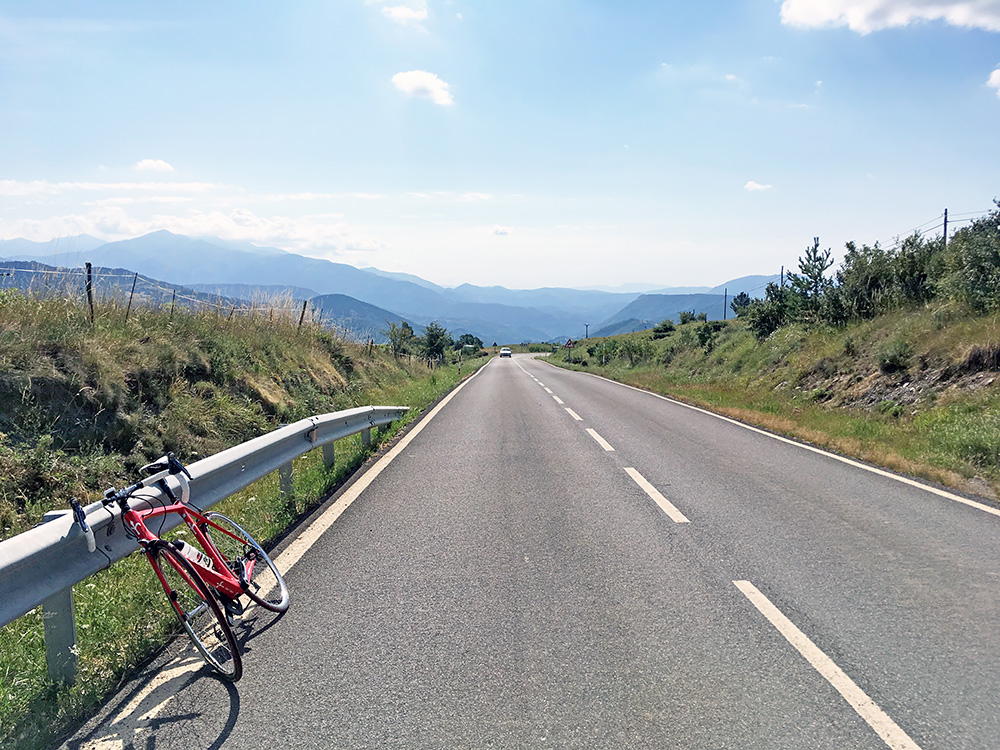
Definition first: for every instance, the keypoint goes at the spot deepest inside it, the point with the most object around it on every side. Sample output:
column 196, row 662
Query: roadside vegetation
column 894, row 358
column 83, row 405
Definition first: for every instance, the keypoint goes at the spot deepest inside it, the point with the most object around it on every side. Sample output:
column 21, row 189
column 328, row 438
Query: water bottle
column 193, row 554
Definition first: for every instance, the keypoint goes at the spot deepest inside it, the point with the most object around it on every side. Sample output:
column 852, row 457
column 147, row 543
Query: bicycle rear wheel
column 197, row 610
column 248, row 561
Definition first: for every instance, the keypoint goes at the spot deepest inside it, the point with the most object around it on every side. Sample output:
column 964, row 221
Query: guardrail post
column 285, row 486
column 366, row 437
column 329, row 455
column 60, row 636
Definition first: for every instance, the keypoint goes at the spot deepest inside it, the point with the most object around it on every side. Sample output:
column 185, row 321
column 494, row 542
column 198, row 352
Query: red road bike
column 204, row 587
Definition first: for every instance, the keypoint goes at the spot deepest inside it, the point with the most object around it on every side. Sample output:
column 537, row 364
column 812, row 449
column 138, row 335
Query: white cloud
column 424, row 85
column 405, row 14
column 994, row 80
column 756, row 187
column 500, row 231
column 866, row 16
column 153, row 165
column 412, row 13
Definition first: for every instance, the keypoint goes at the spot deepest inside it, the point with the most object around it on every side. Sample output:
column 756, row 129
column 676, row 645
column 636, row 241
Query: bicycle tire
column 197, row 610
column 265, row 586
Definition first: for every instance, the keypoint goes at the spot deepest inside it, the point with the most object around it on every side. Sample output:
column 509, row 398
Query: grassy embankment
column 916, row 391
column 82, row 407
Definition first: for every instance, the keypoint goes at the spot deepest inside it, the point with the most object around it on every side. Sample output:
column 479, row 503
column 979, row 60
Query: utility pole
column 725, row 302
column 946, row 227
column 782, row 277
column 586, row 333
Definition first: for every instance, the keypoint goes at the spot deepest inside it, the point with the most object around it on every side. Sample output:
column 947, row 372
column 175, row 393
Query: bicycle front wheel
column 197, row 610
column 257, row 573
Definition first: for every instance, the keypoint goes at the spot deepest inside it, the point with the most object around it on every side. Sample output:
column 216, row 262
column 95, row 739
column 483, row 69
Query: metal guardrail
column 41, row 566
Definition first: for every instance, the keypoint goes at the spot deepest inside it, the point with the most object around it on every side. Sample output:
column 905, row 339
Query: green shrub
column 894, row 356
column 890, row 408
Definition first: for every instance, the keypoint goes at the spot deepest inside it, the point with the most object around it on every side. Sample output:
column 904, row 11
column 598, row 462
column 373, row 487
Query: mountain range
column 244, row 271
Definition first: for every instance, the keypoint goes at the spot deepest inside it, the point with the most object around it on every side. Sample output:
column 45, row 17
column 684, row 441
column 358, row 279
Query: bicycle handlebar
column 168, row 465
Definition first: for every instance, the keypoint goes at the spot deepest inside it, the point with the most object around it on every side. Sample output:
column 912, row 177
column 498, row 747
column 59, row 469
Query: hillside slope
column 915, row 390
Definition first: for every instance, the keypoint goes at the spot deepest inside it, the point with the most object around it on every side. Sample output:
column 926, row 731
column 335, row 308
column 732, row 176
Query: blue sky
column 539, row 143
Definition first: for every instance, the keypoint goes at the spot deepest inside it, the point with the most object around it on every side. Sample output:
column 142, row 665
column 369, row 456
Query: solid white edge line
column 294, row 551
column 843, row 459
column 665, row 505
column 573, row 414
column 877, row 719
column 600, row 441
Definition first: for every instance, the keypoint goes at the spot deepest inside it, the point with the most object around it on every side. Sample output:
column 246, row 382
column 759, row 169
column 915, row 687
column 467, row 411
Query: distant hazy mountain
column 633, row 288
column 65, row 248
column 650, row 309
column 107, row 284
column 359, row 320
column 183, row 260
column 247, row 247
column 579, row 305
column 240, row 270
column 404, row 277
column 681, row 290
column 254, row 292
column 752, row 285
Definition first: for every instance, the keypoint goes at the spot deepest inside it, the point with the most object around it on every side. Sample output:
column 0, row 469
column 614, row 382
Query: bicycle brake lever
column 81, row 518
column 176, row 467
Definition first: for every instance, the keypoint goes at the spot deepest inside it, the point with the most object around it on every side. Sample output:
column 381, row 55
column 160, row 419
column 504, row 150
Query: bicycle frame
column 219, row 576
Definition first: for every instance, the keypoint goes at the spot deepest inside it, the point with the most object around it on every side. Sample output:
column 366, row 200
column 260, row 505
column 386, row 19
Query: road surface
column 555, row 560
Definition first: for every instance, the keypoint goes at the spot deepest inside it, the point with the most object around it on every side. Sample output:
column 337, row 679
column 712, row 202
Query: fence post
column 59, row 619
column 285, row 486
column 130, row 296
column 90, row 293
column 60, row 636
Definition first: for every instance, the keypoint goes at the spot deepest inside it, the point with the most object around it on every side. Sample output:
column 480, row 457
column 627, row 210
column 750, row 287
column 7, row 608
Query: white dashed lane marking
column 877, row 719
column 665, row 505
column 600, row 441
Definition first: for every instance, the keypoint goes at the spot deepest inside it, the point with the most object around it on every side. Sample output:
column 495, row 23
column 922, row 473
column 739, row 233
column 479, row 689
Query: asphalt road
column 559, row 561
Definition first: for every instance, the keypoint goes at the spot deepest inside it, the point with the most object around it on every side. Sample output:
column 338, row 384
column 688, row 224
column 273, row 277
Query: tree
column 434, row 341
column 400, row 337
column 972, row 264
column 663, row 328
column 810, row 284
column 768, row 315
column 467, row 339
column 635, row 350
column 740, row 303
